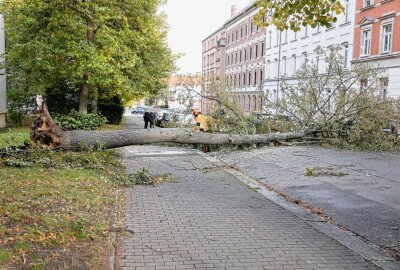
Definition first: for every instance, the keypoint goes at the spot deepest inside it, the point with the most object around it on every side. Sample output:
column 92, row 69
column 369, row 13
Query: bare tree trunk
column 45, row 132
column 84, row 94
column 84, row 91
column 114, row 139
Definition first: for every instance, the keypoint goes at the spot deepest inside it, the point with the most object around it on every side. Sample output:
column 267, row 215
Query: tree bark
column 84, row 91
column 84, row 94
column 46, row 133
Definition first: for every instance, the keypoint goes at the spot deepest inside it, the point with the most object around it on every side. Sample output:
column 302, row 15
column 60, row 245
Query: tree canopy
column 293, row 14
column 104, row 47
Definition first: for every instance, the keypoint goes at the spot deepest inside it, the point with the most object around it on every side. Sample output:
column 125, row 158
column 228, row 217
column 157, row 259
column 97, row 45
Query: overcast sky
column 190, row 22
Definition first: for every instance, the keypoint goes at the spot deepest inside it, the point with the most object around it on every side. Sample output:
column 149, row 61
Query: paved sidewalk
column 210, row 220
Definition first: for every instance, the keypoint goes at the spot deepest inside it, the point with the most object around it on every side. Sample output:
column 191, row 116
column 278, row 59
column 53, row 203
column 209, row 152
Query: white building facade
column 288, row 51
column 3, row 92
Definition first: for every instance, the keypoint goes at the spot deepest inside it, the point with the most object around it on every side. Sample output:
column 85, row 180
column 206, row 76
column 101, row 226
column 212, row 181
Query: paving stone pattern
column 210, row 220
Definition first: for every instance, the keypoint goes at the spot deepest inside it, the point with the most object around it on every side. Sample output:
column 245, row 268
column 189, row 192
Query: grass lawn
column 13, row 136
column 55, row 213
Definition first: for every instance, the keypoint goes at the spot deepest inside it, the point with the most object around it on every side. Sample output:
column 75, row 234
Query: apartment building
column 3, row 93
column 377, row 40
column 288, row 51
column 213, row 68
column 245, row 58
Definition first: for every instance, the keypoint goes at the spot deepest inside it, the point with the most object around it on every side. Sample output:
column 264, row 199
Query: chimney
column 233, row 10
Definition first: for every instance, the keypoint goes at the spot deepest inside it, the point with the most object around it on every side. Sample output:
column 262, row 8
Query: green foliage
column 79, row 121
column 293, row 15
column 142, row 177
column 113, row 110
column 4, row 256
column 62, row 98
column 13, row 137
column 20, row 103
column 145, row 177
column 323, row 171
column 121, row 46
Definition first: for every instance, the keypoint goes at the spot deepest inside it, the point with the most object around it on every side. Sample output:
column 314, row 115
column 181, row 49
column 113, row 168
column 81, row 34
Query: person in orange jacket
column 201, row 124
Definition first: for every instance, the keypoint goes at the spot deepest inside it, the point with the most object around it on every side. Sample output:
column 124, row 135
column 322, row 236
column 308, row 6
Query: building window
column 241, row 32
column 345, row 55
column 269, row 39
column 261, row 76
column 240, row 56
column 244, row 79
column 245, row 29
column 269, row 69
column 347, row 11
column 248, row 102
column 262, row 48
column 386, row 38
column 249, row 82
column 251, row 53
column 255, row 77
column 304, row 59
column 245, row 54
column 236, row 57
column 239, row 80
column 284, row 64
column 275, row 67
column 365, row 42
column 256, row 50
column 384, row 86
column 364, row 85
column 294, row 64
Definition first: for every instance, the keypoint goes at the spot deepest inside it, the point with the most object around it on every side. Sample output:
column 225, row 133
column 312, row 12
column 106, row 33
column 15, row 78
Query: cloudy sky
column 190, row 22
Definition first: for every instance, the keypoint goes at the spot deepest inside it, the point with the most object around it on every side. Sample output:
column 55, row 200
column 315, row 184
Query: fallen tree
column 46, row 133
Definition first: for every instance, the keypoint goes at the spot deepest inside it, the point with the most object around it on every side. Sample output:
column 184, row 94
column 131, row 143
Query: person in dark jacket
column 149, row 117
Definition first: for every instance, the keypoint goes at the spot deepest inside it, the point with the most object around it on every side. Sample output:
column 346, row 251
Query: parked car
column 138, row 110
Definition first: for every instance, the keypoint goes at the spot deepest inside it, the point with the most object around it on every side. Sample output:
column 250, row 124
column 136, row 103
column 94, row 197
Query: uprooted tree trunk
column 45, row 132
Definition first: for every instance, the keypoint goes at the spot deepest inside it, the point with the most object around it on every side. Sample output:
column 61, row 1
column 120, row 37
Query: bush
column 62, row 98
column 76, row 120
column 112, row 110
column 20, row 104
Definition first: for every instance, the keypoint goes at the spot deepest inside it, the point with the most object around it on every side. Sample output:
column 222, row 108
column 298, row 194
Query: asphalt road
column 364, row 200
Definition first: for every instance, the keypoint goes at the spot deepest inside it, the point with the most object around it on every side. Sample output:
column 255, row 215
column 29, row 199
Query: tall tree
column 292, row 14
column 99, row 47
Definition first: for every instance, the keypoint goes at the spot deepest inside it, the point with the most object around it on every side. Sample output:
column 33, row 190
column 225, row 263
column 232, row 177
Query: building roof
column 240, row 14
column 177, row 80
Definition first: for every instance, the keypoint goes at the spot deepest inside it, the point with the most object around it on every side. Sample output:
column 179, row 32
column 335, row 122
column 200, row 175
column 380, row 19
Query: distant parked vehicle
column 139, row 110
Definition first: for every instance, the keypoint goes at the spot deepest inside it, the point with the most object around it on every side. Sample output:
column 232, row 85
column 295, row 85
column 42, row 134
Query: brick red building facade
column 213, row 69
column 245, row 59
column 377, row 40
